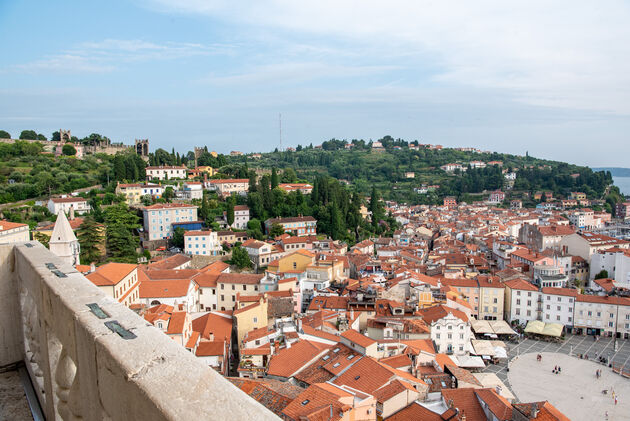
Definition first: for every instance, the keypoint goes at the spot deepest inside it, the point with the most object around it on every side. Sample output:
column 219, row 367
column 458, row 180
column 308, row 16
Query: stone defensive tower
column 142, row 148
column 65, row 135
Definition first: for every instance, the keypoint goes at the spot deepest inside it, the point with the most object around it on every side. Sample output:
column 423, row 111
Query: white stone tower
column 63, row 242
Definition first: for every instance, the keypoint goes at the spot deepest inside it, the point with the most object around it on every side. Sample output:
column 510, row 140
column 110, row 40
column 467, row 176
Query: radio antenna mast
column 280, row 126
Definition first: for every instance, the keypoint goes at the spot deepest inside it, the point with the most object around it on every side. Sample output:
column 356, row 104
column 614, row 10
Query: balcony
column 89, row 357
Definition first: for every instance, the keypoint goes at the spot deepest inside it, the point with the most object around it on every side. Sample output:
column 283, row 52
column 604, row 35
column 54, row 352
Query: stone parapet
column 82, row 369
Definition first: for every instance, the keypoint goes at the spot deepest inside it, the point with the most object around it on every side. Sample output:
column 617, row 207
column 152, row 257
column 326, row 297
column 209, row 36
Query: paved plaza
column 576, row 391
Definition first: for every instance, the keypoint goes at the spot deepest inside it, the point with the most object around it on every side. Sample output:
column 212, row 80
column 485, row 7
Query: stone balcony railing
column 91, row 358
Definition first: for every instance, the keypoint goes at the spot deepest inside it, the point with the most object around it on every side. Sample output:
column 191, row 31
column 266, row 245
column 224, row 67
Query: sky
column 548, row 78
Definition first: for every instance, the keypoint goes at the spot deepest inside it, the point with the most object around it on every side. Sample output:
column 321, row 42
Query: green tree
column 274, row 178
column 168, row 194
column 28, row 135
column 276, row 230
column 120, row 172
column 603, row 274
column 229, row 213
column 178, row 237
column 56, row 137
column 4, row 134
column 252, row 182
column 120, row 241
column 42, row 238
column 90, row 236
column 68, row 150
column 240, row 258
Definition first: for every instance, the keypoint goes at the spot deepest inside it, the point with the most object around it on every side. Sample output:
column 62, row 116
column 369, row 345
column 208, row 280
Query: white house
column 164, row 172
column 615, row 261
column 558, row 305
column 585, row 244
column 241, row 217
column 450, row 329
column 158, row 218
column 13, row 232
column 203, row 243
column 79, row 204
column 227, row 187
column 192, row 190
column 178, row 288
column 521, row 301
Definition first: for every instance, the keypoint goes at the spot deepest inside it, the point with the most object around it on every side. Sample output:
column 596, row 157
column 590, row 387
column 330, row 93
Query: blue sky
column 551, row 79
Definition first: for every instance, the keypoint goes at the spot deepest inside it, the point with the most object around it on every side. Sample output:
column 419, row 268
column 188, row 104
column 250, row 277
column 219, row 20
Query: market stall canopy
column 483, row 348
column 553, row 329
column 500, row 327
column 481, row 326
column 470, row 361
column 547, row 329
column 534, row 326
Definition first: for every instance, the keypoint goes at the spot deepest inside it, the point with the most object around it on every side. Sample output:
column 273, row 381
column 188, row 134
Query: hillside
column 390, row 169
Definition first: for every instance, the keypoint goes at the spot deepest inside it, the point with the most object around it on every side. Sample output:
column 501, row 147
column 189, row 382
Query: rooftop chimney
column 92, row 267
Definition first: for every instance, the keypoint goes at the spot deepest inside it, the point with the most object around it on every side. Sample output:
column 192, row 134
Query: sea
column 623, row 183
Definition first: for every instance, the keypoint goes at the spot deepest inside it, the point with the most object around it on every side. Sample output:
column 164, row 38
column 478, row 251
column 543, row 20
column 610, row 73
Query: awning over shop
column 547, row 329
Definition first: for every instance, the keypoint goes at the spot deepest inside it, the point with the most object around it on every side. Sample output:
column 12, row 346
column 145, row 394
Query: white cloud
column 565, row 53
column 110, row 54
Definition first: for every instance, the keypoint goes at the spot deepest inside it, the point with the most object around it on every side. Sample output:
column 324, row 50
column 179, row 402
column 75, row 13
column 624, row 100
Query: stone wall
column 81, row 369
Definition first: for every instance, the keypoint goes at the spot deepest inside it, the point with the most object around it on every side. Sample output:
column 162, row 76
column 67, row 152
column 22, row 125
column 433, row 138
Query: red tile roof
column 111, row 274
column 288, row 361
column 357, row 338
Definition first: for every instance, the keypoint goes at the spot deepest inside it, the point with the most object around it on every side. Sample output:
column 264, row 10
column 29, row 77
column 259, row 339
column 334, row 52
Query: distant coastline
column 615, row 171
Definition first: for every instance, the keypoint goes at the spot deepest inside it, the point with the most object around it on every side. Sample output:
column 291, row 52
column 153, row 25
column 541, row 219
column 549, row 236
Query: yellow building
column 491, row 299
column 134, row 192
column 296, row 262
column 251, row 317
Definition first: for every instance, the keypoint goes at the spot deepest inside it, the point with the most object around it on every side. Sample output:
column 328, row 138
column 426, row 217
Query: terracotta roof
column 316, row 404
column 164, row 289
column 170, row 262
column 415, row 411
column 465, row 400
column 158, row 206
column 67, row 199
column 176, row 323
column 239, row 278
column 215, row 268
column 366, row 375
column 230, row 180
column 266, row 393
column 207, row 280
column 289, row 361
column 390, row 390
column 432, row 314
column 210, row 348
column 498, row 405
column 397, row 361
column 560, row 291
column 329, row 365
column 521, row 284
column 213, row 324
column 545, row 411
column 357, row 338
column 110, row 274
